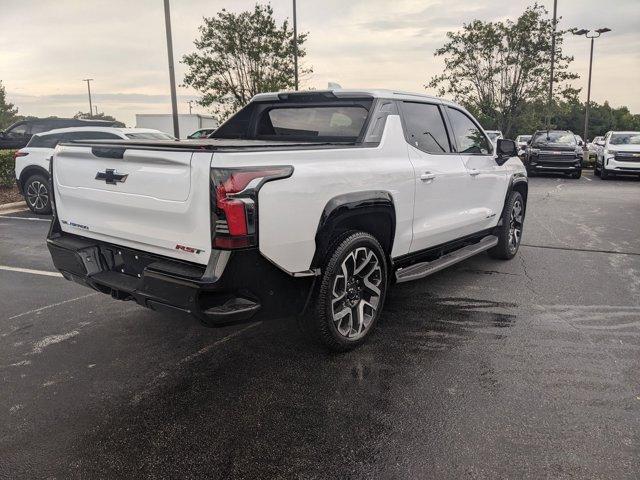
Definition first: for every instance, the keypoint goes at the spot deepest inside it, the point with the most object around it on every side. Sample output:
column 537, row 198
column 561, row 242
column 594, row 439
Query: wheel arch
column 32, row 170
column 517, row 183
column 370, row 211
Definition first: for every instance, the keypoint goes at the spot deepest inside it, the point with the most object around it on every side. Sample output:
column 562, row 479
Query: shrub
column 7, row 167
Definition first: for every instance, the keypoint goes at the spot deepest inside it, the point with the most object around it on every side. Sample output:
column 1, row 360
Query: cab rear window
column 330, row 121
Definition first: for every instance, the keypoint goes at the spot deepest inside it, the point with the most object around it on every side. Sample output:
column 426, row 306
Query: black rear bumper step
column 249, row 286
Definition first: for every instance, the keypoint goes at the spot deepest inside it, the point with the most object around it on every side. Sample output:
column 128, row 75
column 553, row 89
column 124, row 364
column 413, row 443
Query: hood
column 624, row 148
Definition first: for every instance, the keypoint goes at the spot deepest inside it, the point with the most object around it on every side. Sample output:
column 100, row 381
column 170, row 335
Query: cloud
column 357, row 43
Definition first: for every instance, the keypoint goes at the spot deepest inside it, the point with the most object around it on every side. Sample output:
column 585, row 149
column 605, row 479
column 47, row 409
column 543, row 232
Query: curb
column 12, row 206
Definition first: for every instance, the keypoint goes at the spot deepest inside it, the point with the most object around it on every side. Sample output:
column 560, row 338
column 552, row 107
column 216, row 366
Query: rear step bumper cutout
column 424, row 269
column 249, row 285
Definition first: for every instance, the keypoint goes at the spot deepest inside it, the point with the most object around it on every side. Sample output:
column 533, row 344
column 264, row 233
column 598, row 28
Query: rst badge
column 184, row 248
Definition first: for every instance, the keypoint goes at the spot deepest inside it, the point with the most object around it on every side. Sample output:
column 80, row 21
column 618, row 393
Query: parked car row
column 32, row 161
column 561, row 151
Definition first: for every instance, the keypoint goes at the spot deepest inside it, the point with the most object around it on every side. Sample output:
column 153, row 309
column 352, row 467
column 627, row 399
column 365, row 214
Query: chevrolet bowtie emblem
column 111, row 177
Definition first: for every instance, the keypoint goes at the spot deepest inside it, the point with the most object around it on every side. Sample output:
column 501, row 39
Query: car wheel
column 351, row 292
column 509, row 232
column 577, row 174
column 36, row 194
column 596, row 170
column 603, row 173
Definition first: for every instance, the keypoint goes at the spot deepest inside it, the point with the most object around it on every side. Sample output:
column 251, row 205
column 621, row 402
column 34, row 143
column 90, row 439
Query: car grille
column 627, row 157
column 556, row 160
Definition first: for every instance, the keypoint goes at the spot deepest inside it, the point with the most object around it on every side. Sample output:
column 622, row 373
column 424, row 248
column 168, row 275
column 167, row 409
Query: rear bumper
column 234, row 287
column 20, row 187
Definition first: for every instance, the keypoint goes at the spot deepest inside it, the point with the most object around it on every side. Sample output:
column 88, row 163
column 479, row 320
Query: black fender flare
column 520, row 180
column 358, row 209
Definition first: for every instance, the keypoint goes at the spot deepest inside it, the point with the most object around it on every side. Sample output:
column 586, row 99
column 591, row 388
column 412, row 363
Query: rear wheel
column 351, row 293
column 36, row 194
column 509, row 233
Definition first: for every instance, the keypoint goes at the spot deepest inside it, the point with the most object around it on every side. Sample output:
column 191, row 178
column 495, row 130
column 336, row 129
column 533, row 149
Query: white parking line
column 586, row 178
column 29, row 270
column 46, row 307
column 16, row 210
column 2, row 217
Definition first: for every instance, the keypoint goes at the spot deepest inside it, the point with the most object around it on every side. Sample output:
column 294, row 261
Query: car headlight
column 610, row 152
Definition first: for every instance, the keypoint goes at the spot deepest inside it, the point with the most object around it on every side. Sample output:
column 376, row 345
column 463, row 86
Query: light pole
column 553, row 61
column 295, row 45
column 88, row 80
column 596, row 34
column 172, row 75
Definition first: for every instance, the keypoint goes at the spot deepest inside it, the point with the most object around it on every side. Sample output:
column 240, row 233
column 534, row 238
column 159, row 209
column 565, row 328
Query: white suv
column 618, row 153
column 302, row 202
column 32, row 161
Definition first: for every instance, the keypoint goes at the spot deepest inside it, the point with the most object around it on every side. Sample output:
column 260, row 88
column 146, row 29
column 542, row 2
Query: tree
column 499, row 69
column 240, row 55
column 99, row 116
column 8, row 112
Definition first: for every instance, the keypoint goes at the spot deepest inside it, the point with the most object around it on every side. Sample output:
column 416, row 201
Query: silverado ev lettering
column 309, row 202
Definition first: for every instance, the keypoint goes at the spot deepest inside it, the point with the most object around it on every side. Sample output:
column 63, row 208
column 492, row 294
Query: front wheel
column 509, row 233
column 577, row 174
column 36, row 193
column 603, row 173
column 351, row 293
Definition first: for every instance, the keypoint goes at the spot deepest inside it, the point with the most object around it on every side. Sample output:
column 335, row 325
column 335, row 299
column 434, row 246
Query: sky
column 48, row 46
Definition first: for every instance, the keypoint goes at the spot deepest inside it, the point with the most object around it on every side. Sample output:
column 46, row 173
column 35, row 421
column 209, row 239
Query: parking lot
column 520, row 369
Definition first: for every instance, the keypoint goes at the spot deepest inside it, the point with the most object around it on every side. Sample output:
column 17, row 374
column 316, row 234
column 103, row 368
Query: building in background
column 188, row 123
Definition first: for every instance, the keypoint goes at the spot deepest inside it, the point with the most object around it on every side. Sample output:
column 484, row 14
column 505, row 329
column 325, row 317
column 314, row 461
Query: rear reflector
column 234, row 203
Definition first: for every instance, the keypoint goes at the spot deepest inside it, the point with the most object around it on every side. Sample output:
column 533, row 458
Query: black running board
column 424, row 269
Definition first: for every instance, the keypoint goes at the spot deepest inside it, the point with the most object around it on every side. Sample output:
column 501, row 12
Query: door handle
column 426, row 176
column 474, row 171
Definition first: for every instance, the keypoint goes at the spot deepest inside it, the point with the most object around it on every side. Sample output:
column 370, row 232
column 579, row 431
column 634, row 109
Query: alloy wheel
column 515, row 225
column 356, row 293
column 37, row 195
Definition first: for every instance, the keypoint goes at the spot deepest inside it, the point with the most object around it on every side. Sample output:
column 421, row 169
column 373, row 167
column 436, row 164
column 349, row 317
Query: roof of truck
column 348, row 92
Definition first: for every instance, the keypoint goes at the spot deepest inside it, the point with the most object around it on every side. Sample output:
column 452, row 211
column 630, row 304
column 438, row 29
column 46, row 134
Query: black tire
column 37, row 190
column 596, row 170
column 340, row 335
column 531, row 173
column 508, row 240
column 603, row 173
column 577, row 174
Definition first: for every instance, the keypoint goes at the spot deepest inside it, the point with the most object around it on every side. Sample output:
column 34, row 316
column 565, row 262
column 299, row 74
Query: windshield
column 632, row 138
column 149, row 136
column 554, row 138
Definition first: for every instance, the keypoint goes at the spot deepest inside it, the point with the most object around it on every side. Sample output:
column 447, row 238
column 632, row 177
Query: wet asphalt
column 521, row 369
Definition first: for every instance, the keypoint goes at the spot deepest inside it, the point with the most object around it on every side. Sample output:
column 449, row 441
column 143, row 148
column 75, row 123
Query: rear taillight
column 234, row 198
column 19, row 153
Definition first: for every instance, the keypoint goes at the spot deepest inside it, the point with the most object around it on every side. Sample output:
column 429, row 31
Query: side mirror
column 505, row 149
column 580, row 143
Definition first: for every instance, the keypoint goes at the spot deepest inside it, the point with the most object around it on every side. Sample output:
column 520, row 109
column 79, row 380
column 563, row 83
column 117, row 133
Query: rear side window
column 44, row 141
column 308, row 122
column 91, row 136
column 425, row 127
column 469, row 138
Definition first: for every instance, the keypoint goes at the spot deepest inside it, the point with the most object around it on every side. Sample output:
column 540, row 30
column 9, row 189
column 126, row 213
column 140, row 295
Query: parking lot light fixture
column 595, row 34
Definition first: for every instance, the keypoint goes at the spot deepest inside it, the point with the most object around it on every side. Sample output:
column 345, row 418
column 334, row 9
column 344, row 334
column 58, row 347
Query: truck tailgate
column 150, row 199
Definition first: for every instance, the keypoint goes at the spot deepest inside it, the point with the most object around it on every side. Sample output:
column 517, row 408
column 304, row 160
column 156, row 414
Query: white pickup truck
column 309, row 202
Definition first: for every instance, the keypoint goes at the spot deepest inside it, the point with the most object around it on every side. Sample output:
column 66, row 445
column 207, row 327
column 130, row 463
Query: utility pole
column 172, row 75
column 553, row 61
column 592, row 37
column 295, row 44
column 190, row 102
column 88, row 80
